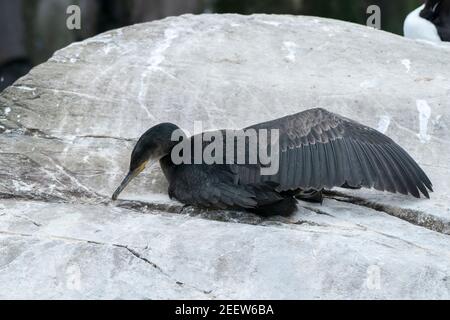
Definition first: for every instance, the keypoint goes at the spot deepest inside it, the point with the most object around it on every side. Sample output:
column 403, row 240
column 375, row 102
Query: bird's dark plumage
column 330, row 151
column 438, row 13
column 318, row 149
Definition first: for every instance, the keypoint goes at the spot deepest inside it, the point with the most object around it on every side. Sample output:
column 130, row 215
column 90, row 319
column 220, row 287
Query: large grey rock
column 68, row 127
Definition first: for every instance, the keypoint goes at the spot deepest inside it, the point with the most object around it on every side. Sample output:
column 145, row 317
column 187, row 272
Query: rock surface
column 67, row 129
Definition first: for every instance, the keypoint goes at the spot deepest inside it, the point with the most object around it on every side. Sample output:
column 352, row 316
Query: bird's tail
column 284, row 207
column 270, row 202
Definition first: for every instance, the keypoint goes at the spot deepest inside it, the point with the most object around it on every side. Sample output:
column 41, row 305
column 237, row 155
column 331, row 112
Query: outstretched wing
column 320, row 149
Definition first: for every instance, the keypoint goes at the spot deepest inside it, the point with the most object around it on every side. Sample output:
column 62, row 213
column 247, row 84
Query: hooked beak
column 130, row 176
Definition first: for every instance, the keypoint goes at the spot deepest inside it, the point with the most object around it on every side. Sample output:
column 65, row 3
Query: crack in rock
column 415, row 217
column 139, row 256
column 31, row 197
column 132, row 251
column 154, row 265
column 20, row 129
column 93, row 136
column 412, row 216
column 309, row 223
column 318, row 211
column 143, row 207
column 27, row 219
column 412, row 244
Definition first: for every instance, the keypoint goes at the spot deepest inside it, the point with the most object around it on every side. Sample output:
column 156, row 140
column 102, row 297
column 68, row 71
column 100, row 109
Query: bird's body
column 217, row 186
column 317, row 150
column 430, row 22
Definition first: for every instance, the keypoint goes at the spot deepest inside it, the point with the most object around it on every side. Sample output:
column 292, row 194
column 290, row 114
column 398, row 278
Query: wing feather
column 320, row 149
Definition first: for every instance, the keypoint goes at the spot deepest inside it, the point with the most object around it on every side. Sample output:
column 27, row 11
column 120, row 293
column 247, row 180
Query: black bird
column 431, row 21
column 318, row 150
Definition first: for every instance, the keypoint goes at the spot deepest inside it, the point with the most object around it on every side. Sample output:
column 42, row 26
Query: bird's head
column 431, row 10
column 153, row 145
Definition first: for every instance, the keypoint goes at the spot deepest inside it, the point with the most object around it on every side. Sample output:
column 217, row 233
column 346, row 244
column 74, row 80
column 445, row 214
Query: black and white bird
column 317, row 150
column 430, row 22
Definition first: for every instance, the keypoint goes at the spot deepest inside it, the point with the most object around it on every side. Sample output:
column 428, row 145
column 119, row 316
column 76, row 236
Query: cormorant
column 431, row 21
column 317, row 150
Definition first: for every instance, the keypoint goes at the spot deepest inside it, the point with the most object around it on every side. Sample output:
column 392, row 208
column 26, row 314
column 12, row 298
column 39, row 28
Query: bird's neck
column 168, row 167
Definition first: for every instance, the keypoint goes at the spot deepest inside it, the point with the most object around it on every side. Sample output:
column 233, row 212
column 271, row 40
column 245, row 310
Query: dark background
column 31, row 30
